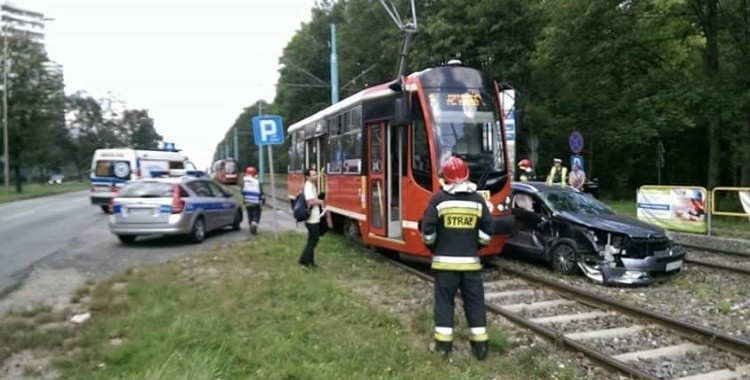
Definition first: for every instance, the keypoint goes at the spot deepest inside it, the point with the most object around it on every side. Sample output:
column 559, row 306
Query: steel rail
column 704, row 335
column 716, row 250
column 726, row 267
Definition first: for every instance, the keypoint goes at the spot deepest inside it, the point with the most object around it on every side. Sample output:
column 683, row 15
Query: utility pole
column 6, row 149
column 236, row 149
column 334, row 68
column 260, row 150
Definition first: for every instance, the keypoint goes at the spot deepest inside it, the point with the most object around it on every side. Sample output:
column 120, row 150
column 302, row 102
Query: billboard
column 673, row 208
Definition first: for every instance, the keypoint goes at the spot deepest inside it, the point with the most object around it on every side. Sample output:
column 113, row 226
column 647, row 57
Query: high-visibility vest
column 563, row 175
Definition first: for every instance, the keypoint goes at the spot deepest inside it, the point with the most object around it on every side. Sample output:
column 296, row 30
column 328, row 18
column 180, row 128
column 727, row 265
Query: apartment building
column 18, row 19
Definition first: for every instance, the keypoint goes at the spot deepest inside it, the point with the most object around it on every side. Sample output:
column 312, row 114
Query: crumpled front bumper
column 631, row 271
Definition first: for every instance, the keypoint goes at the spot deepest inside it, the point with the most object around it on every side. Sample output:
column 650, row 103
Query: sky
column 193, row 64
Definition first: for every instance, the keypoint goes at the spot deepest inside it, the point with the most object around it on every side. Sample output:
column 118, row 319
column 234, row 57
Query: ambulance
column 111, row 168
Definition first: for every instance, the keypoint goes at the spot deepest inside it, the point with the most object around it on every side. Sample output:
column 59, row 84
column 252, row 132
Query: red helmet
column 455, row 170
column 251, row 171
column 525, row 163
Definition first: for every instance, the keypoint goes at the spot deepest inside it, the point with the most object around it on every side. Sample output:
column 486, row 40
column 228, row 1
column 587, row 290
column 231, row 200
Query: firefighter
column 526, row 171
column 455, row 224
column 558, row 174
column 253, row 198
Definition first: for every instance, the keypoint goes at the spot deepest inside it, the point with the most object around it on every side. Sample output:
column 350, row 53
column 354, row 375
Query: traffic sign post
column 269, row 130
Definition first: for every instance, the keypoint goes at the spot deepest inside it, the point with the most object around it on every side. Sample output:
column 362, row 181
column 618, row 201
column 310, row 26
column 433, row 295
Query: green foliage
column 628, row 75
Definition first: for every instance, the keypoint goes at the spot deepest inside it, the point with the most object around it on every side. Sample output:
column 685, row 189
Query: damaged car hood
column 620, row 224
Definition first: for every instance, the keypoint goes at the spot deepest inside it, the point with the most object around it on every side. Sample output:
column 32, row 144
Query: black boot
column 443, row 347
column 253, row 230
column 480, row 349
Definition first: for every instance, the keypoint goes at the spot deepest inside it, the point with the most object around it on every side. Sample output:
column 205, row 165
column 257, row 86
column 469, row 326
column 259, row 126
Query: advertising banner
column 673, row 208
column 745, row 200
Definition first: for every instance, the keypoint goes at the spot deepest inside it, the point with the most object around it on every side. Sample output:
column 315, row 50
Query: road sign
column 268, row 130
column 577, row 159
column 576, row 142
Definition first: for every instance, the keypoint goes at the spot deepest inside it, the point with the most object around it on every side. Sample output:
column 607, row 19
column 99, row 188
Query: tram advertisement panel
column 673, row 208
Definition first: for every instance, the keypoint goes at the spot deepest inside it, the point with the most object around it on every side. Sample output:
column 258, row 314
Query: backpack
column 299, row 208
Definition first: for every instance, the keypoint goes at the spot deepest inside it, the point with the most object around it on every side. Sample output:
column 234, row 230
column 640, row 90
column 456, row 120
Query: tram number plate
column 674, row 265
column 485, row 194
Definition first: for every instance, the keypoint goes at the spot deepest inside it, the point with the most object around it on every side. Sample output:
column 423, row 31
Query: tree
column 35, row 113
column 139, row 130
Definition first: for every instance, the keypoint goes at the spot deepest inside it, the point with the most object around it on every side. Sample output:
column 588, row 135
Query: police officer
column 557, row 174
column 455, row 224
column 253, row 197
column 525, row 171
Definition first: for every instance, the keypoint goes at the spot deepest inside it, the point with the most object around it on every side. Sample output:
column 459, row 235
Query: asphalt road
column 66, row 234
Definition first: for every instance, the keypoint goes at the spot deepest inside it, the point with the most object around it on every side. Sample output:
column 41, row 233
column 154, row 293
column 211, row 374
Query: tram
column 379, row 154
column 225, row 171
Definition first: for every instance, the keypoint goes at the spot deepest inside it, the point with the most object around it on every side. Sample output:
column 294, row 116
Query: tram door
column 386, row 160
column 396, row 157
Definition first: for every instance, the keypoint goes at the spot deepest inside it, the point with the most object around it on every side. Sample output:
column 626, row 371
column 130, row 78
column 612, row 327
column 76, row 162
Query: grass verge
column 34, row 190
column 250, row 312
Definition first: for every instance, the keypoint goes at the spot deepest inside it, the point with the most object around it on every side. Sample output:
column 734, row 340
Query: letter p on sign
column 268, row 130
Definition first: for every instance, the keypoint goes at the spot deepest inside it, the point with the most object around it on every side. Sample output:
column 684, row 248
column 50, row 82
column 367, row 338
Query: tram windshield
column 467, row 126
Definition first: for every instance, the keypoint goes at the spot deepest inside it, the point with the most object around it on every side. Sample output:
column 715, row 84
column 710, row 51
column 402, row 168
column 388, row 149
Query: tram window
column 337, row 157
column 356, row 118
column 420, row 147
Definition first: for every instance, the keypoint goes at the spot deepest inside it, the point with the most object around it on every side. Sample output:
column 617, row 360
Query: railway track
column 723, row 259
column 639, row 343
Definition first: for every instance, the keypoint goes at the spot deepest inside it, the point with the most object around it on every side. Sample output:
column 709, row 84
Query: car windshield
column 574, row 202
column 145, row 189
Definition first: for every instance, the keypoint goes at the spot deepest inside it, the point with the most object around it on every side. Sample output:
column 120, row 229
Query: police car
column 172, row 203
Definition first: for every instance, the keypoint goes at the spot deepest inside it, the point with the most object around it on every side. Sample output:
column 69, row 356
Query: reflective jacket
column 563, row 176
column 252, row 193
column 454, row 226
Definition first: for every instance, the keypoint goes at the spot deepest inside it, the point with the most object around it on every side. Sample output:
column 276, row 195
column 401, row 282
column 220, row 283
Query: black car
column 573, row 231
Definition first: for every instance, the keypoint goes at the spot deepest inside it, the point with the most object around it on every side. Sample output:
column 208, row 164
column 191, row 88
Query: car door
column 528, row 235
column 224, row 203
column 205, row 203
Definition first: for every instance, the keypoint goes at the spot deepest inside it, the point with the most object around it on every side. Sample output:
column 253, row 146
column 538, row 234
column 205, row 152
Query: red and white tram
column 225, row 171
column 379, row 153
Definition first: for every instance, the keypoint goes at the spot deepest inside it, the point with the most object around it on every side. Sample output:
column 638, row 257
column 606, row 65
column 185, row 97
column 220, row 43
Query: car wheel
column 105, row 209
column 198, row 233
column 563, row 256
column 237, row 220
column 126, row 239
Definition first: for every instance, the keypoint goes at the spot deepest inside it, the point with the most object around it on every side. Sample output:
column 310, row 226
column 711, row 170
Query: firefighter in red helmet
column 454, row 226
column 253, row 198
column 525, row 171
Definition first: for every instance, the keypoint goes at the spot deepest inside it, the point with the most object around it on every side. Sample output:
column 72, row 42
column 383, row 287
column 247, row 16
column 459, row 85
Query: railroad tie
column 668, row 351
column 567, row 318
column 503, row 284
column 724, row 374
column 509, row 293
column 606, row 333
column 538, row 305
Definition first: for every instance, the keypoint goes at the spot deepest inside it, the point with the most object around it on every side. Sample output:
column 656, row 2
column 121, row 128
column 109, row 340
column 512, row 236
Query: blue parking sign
column 268, row 130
